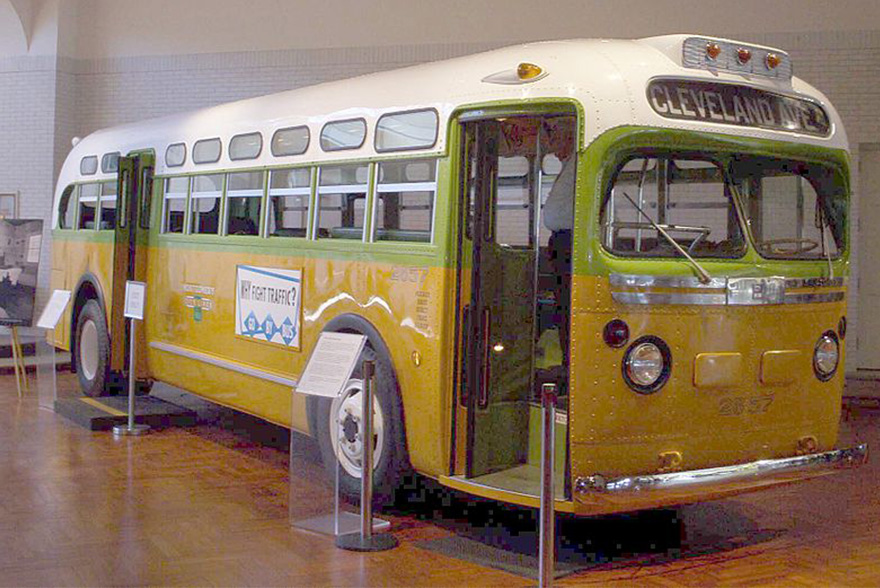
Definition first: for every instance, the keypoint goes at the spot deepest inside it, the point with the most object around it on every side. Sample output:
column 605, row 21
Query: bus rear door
column 134, row 190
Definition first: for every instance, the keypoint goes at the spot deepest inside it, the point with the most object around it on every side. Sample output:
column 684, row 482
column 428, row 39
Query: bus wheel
column 92, row 349
column 339, row 427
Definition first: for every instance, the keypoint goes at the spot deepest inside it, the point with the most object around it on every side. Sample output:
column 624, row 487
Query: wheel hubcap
column 346, row 426
column 88, row 350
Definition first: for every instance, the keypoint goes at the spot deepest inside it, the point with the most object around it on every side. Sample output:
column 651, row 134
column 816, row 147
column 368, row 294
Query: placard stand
column 44, row 349
column 135, row 300
column 47, row 379
column 365, row 540
column 327, row 374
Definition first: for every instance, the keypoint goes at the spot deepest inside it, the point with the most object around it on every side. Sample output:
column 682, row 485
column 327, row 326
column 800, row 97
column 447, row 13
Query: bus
column 658, row 227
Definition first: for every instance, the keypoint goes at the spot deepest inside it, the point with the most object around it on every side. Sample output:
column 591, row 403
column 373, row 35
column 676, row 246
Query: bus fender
column 352, row 323
column 396, row 448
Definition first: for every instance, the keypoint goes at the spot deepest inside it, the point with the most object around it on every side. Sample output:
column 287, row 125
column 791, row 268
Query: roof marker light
column 528, row 71
column 523, row 73
column 713, row 50
column 772, row 61
column 744, row 55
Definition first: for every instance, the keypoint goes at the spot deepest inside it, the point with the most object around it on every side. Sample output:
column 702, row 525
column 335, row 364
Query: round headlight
column 826, row 356
column 646, row 365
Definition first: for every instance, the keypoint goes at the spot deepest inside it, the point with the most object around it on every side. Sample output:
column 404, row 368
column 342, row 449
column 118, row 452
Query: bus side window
column 88, row 204
column 108, row 206
column 244, row 198
column 405, row 200
column 67, row 208
column 176, row 190
column 289, row 194
column 207, row 193
column 342, row 196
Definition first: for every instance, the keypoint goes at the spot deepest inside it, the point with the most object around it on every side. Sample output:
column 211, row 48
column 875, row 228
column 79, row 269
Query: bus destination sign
column 736, row 105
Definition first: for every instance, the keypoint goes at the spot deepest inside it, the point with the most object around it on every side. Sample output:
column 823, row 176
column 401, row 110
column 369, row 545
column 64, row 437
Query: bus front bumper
column 598, row 493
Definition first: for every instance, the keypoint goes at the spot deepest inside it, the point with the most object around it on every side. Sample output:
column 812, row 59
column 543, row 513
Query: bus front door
column 500, row 328
column 134, row 193
column 513, row 290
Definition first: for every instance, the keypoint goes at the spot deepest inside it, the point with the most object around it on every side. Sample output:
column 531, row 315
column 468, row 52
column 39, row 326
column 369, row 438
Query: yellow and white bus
column 658, row 226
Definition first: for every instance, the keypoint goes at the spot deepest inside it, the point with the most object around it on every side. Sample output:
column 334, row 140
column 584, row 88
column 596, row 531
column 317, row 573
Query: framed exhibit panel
column 20, row 244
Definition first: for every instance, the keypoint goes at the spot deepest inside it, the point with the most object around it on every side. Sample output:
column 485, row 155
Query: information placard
column 135, row 299
column 54, row 309
column 331, row 364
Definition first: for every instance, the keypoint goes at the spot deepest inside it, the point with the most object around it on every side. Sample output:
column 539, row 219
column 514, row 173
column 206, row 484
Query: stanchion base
column 121, row 430
column 357, row 542
column 348, row 522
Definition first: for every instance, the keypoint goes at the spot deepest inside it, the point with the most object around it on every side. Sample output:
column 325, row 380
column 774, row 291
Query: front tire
column 92, row 349
column 338, row 425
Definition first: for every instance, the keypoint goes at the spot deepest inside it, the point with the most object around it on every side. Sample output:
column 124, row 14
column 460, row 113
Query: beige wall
column 97, row 63
column 114, row 28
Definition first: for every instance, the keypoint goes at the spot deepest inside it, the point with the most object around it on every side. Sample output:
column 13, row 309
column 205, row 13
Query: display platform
column 102, row 414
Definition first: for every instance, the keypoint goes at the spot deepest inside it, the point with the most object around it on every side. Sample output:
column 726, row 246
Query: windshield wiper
column 825, row 247
column 704, row 276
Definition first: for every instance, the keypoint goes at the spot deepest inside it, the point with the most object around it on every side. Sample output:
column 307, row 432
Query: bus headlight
column 647, row 364
column 826, row 356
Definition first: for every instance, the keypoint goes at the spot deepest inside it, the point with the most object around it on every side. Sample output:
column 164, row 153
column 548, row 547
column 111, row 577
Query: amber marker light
column 528, row 71
column 772, row 61
column 713, row 50
column 744, row 55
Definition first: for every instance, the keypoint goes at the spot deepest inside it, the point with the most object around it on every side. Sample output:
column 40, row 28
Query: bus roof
column 608, row 78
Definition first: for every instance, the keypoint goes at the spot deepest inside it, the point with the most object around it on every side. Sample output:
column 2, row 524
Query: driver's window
column 687, row 198
column 789, row 219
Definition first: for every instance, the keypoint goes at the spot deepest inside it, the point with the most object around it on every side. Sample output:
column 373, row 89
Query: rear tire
column 390, row 463
column 92, row 349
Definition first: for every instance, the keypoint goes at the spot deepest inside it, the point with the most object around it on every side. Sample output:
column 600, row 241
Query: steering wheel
column 795, row 246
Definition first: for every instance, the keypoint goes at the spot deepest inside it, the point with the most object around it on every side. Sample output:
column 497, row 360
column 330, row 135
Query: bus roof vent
column 734, row 57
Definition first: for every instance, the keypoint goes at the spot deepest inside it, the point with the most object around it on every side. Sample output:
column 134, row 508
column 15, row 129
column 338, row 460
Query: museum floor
column 208, row 505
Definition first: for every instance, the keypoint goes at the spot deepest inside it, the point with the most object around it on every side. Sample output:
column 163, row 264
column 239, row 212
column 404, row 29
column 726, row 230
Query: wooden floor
column 209, row 506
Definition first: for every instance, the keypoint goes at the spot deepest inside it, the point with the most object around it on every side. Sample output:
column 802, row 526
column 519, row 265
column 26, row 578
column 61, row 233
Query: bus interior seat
column 207, row 224
column 242, row 226
column 403, row 235
column 345, row 233
column 289, row 232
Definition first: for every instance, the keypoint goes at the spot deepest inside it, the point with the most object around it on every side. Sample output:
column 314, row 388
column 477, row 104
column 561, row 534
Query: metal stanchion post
column 547, row 555
column 366, row 540
column 367, row 459
column 131, row 428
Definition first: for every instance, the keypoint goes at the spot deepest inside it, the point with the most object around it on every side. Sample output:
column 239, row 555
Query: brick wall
column 27, row 140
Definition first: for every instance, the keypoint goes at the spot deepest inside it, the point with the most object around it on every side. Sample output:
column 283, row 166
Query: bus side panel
column 59, row 281
column 403, row 302
column 74, row 255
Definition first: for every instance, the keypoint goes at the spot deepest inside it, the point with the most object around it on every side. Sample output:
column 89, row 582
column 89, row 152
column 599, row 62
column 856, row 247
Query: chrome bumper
column 710, row 477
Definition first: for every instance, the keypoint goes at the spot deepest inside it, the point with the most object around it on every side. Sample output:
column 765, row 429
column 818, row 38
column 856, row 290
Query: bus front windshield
column 659, row 205
column 795, row 210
